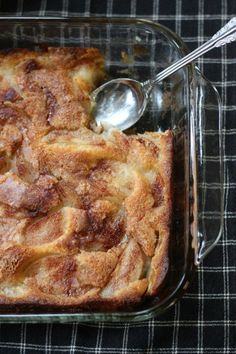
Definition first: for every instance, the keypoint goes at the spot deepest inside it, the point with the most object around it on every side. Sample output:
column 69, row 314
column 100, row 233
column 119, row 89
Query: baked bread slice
column 84, row 216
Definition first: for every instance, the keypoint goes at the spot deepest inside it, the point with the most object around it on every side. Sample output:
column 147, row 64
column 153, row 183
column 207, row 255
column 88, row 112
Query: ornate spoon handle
column 224, row 35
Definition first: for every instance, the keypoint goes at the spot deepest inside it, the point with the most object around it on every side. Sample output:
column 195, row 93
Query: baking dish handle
column 209, row 167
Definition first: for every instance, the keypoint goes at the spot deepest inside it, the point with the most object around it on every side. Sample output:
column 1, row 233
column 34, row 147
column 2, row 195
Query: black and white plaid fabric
column 204, row 321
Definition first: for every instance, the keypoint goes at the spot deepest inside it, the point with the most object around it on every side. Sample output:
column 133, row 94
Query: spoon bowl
column 119, row 103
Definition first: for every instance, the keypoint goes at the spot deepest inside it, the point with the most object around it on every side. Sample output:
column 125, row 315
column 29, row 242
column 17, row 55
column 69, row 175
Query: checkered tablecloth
column 204, row 321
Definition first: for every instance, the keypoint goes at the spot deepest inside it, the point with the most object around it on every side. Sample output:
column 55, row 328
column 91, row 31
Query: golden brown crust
column 84, row 217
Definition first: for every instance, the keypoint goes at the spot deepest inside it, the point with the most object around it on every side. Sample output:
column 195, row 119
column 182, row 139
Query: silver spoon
column 121, row 102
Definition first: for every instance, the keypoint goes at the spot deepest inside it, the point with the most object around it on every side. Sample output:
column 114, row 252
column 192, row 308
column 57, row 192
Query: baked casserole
column 85, row 216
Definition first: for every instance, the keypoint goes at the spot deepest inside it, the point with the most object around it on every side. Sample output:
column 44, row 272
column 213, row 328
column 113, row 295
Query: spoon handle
column 225, row 35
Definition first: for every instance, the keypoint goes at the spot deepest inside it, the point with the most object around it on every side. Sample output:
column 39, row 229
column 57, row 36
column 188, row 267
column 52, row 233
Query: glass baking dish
column 185, row 102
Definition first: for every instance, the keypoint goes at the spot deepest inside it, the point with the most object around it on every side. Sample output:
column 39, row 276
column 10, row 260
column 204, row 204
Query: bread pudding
column 85, row 216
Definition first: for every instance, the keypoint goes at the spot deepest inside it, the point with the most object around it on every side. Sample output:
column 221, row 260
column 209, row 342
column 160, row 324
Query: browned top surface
column 84, row 217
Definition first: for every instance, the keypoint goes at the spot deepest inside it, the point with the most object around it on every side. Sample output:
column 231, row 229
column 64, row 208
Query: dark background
column 204, row 321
